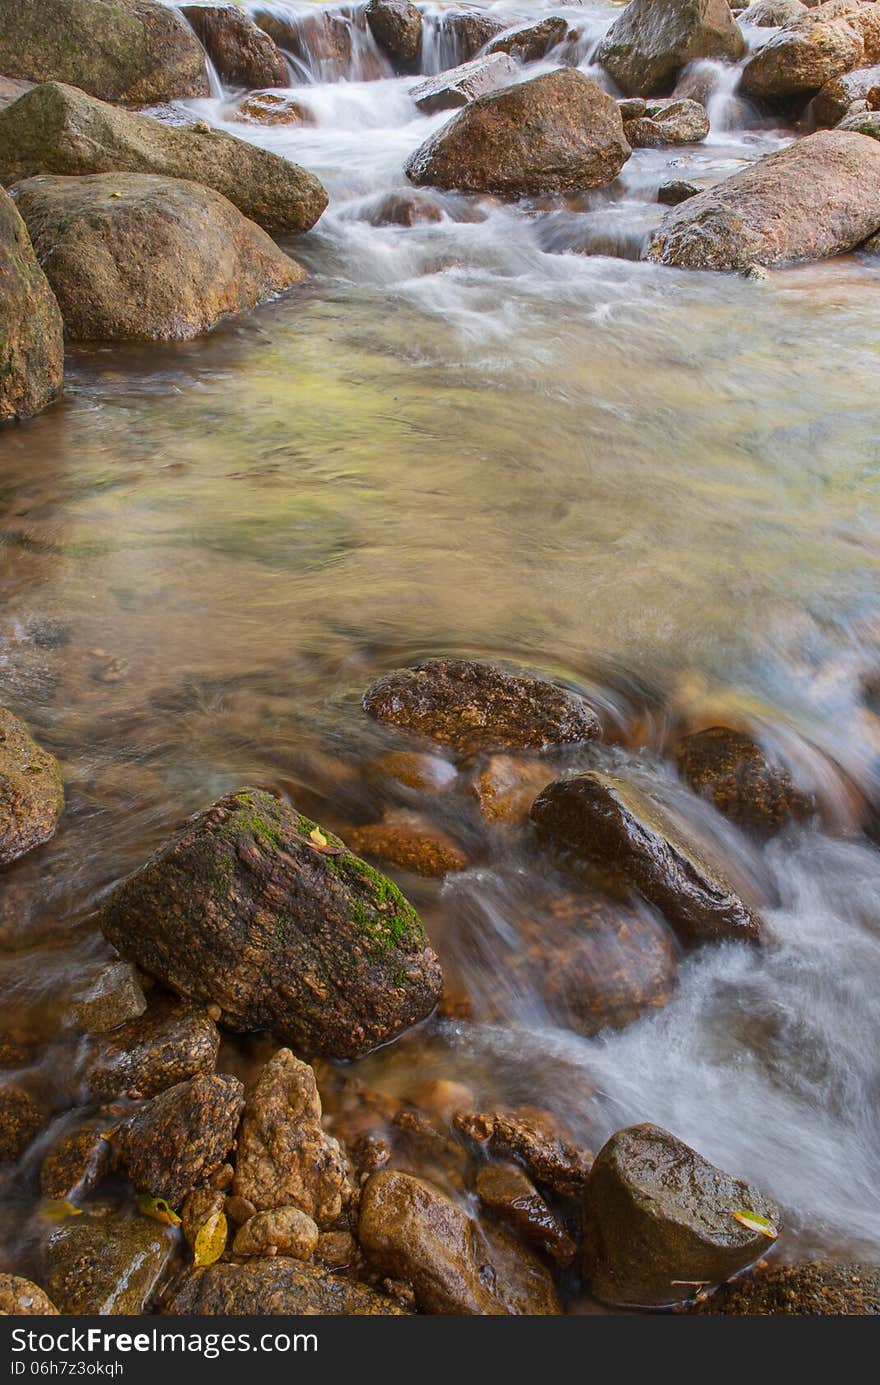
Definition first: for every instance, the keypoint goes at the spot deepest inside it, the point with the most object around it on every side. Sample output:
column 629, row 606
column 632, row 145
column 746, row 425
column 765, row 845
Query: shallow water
column 468, row 437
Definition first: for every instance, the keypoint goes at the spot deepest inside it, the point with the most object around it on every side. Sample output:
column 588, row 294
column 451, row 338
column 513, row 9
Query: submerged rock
column 833, row 101
column 404, row 209
column 459, row 85
column 242, row 54
column 22, row 1117
column 132, row 257
column 57, row 129
column 285, row 1159
column 278, row 1286
column 823, row 1288
column 554, row 132
column 601, row 821
column 106, row 1262
column 815, row 198
column 411, row 1231
column 529, row 1136
column 75, row 1163
column 506, row 1191
column 807, row 52
column 133, row 51
column 396, row 25
column 270, row 108
column 31, row 792
column 740, row 779
column 474, row 706
column 531, row 42
column 252, row 908
column 668, row 122
column 507, row 786
column 283, row 1231
column 652, row 40
column 181, row 1137
column 410, row 842
column 171, row 1041
column 31, row 370
column 660, row 1223
column 19, row 1297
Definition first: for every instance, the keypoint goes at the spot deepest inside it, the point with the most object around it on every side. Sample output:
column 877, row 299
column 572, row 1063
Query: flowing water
column 496, row 434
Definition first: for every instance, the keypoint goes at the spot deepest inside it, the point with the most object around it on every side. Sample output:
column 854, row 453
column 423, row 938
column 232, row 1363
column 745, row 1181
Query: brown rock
column 506, row 1190
column 396, row 25
column 284, row 1157
column 22, row 1117
column 287, row 1229
column 668, row 122
column 458, row 85
column 31, row 793
column 819, row 1288
column 507, row 786
column 114, row 997
column 469, row 31
column 270, row 108
column 816, row 198
column 405, row 209
column 19, row 1297
column 659, row 1221
column 410, row 1231
column 180, row 1138
column 106, row 1262
column 476, row 706
column 197, row 1209
column 833, row 101
column 75, row 1163
column 248, row 909
column 10, row 90
column 740, row 779
column 652, row 40
column 320, row 39
column 807, row 52
column 336, row 1250
column 531, row 42
column 426, row 773
column 278, row 1286
column 671, row 194
column 409, row 842
column 529, row 1136
column 171, row 1041
column 243, row 55
column 556, row 131
column 771, row 14
column 132, row 257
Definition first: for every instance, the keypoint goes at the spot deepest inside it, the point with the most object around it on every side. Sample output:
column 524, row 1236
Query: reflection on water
column 465, row 437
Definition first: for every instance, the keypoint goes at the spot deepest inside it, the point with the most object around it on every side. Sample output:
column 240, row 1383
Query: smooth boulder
column 57, row 129
column 668, row 122
column 31, row 362
column 554, row 132
column 132, row 51
column 652, row 40
column 772, row 14
column 807, row 52
column 242, row 54
column 31, row 792
column 816, row 198
column 603, row 823
column 531, row 42
column 661, row 1222
column 459, row 85
column 833, row 101
column 133, row 257
column 254, row 909
column 741, row 779
column 396, row 25
column 105, row 1262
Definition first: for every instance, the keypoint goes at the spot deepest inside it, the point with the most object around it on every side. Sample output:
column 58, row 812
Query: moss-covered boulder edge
column 258, row 910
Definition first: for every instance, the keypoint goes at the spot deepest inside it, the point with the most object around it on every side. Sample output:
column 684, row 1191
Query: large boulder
column 661, row 1222
column 478, row 706
column 531, row 42
column 280, row 1286
column 254, row 909
column 601, row 822
column 740, row 778
column 106, row 1262
column 396, row 25
column 556, row 131
column 833, row 101
column 242, row 54
column 134, row 51
column 57, row 129
column 807, row 52
column 816, row 198
column 459, row 85
column 411, row 1231
column 652, row 40
column 133, row 257
column 821, row 1288
column 180, row 1137
column 31, row 792
column 31, row 354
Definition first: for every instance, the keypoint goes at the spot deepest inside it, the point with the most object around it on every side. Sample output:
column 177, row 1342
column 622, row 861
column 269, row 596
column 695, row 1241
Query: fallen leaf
column 755, row 1222
column 57, row 1209
column 158, row 1208
column 318, row 837
column 210, row 1241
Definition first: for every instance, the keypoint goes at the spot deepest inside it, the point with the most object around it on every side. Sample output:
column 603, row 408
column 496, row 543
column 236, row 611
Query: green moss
column 249, row 818
column 392, row 920
column 221, row 873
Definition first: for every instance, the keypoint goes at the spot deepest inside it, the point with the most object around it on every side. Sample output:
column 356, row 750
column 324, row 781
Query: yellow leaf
column 56, row 1209
column 210, row 1241
column 318, row 837
column 755, row 1222
column 158, row 1208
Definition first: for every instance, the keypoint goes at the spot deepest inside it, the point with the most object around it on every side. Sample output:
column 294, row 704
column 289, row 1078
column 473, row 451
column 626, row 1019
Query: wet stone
column 741, row 779
column 819, row 1288
column 108, row 1263
column 529, row 1136
column 270, row 108
column 283, row 1231
column 31, row 793
column 114, row 997
column 507, row 786
column 198, row 1208
column 19, row 1297
column 171, row 1041
column 181, row 1137
column 506, row 1191
column 670, row 194
column 75, row 1163
column 278, row 1286
column 410, row 768
column 409, row 842
column 532, row 42
column 22, row 1117
column 459, row 85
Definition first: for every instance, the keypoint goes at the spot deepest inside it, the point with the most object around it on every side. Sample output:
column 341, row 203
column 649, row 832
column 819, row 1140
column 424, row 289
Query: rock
column 11, row 88
column 22, row 1117
column 412, row 769
column 601, row 821
column 396, row 25
column 470, row 31
column 31, row 792
column 530, row 1137
column 114, row 997
column 652, row 40
column 556, row 131
column 405, row 209
column 19, row 1297
column 131, row 51
column 336, row 1250
column 771, row 14
column 247, row 909
column 833, row 101
column 132, row 257
column 806, row 53
column 656, row 1212
column 321, row 39
column 531, row 42
column 288, row 1229
column 410, row 1231
column 75, row 1163
column 507, row 786
column 475, row 706
column 740, row 779
column 198, row 1208
column 668, row 122
column 506, row 1190
column 56, row 129
column 409, row 842
column 106, row 1262
column 179, row 1138
column 671, row 194
column 823, row 1288
column 459, row 85
column 278, row 1286
column 816, row 198
column 284, row 1157
column 171, row 1041
column 863, row 123
column 243, row 55
column 270, row 108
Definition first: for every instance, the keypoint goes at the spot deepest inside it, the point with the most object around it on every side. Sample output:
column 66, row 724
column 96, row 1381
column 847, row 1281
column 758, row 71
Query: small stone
column 670, row 194
column 106, row 1262
column 740, row 778
column 530, row 1136
column 283, row 1230
column 31, row 793
column 75, row 1163
column 507, row 786
column 19, row 1297
column 506, row 1190
column 336, row 1250
column 180, row 1137
column 198, row 1208
column 171, row 1041
column 114, row 997
column 409, row 842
